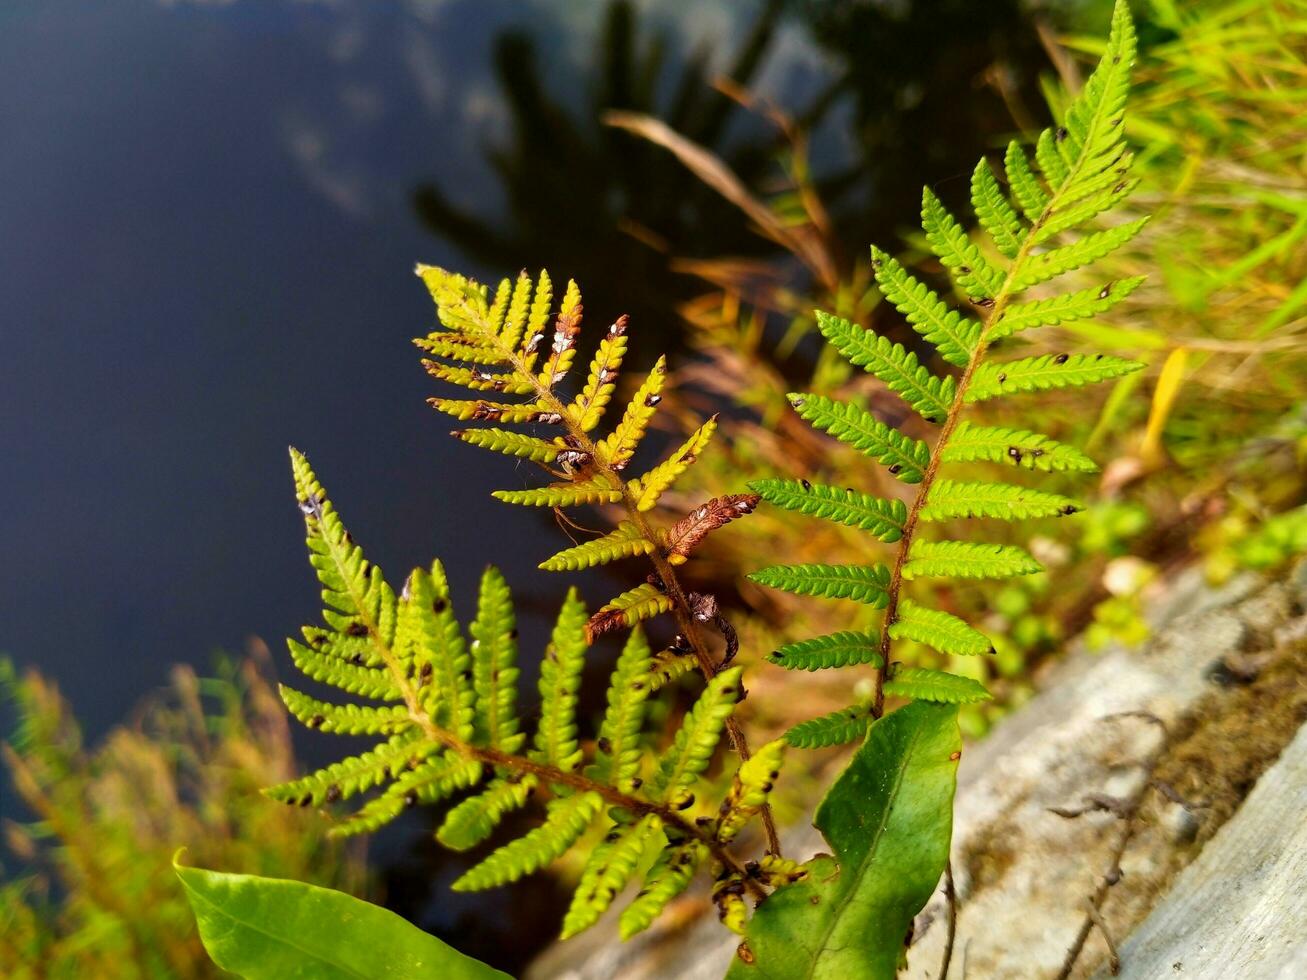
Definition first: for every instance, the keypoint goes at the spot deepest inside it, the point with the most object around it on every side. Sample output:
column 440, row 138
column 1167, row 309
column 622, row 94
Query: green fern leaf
column 696, row 740
column 1026, row 189
column 1049, row 312
column 429, row 639
column 478, row 379
column 862, row 583
column 1016, row 446
column 1053, row 263
column 950, row 498
column 461, row 303
column 750, row 789
column 837, row 728
column 931, row 396
column 668, row 666
column 634, row 606
column 366, row 681
column 651, row 486
column 1071, row 216
column 590, row 404
column 624, row 541
column 357, row 600
column 843, row 649
column 598, row 490
column 611, row 865
column 476, row 818
column 494, row 665
column 938, row 630
column 949, row 241
column 357, row 774
column 560, row 679
column 966, row 559
column 480, row 410
column 1045, row 372
column 511, row 444
column 461, row 347
column 923, row 684
column 1050, row 161
column 996, row 215
column 907, row 458
column 565, row 822
column 345, row 719
column 432, row 781
column 620, row 445
column 954, row 335
column 669, row 876
column 883, row 518
column 618, row 760
column 513, row 323
column 538, row 318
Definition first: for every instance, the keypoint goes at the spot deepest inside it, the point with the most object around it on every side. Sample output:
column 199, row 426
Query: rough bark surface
column 1226, row 673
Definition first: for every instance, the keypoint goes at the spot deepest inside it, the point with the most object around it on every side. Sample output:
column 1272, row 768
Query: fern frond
column 461, row 348
column 598, row 490
column 478, row 379
column 1049, row 312
column 749, row 790
column 344, row 719
column 631, row 607
column 511, row 444
column 842, row 649
column 1026, row 189
column 954, row 335
column 648, row 488
column 1117, row 189
column 1016, row 446
column 862, row 583
column 967, row 559
column 611, row 865
column 513, row 322
column 906, row 457
column 567, row 326
column 902, row 373
column 357, row 774
column 923, row 684
column 480, row 410
column 883, row 518
column 696, row 740
column 560, row 679
column 432, row 781
column 1057, row 261
column 995, row 214
column 430, row 640
column 668, row 666
column 837, row 728
column 351, row 677
column 494, row 665
column 1045, row 372
column 617, row 760
column 566, row 820
column 589, row 406
column 948, row 499
column 950, row 243
column 938, row 630
column 475, row 818
column 669, row 876
column 357, row 600
column 619, row 446
column 624, row 541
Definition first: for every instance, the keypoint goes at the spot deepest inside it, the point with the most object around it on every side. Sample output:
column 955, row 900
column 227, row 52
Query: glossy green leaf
column 888, row 819
column 274, row 929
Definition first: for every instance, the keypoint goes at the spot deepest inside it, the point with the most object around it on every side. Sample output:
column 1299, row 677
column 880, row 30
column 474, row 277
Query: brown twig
column 951, row 902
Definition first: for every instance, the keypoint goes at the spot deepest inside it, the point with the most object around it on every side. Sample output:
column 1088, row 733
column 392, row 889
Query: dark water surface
column 209, row 214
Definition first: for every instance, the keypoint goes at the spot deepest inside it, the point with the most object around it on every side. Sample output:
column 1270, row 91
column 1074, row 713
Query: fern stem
column 988, row 319
column 666, row 573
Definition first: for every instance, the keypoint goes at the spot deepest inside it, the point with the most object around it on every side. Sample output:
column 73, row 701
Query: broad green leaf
column 274, row 929
column 888, row 819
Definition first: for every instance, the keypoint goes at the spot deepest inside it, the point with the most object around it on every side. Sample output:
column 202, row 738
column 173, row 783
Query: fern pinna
column 513, row 343
column 444, row 711
column 1081, row 171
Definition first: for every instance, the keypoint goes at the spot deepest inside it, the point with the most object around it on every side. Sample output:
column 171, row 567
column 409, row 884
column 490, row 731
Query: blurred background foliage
column 714, row 218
